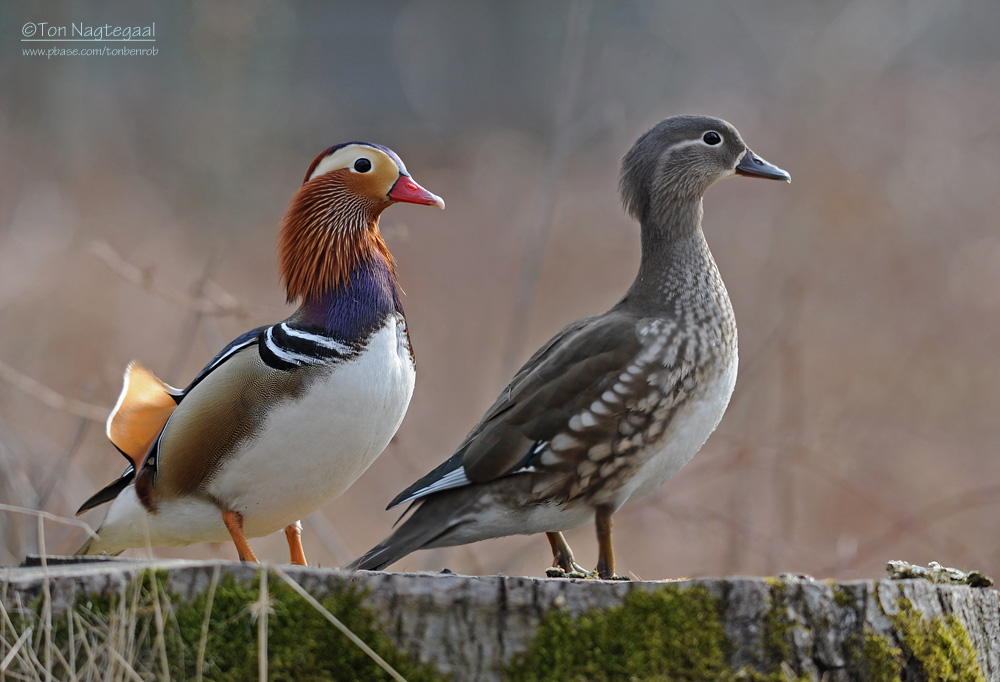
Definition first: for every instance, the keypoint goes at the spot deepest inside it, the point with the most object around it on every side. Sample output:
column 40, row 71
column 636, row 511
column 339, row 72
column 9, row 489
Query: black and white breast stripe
column 285, row 347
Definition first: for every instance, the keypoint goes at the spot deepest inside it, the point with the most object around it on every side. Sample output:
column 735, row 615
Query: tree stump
column 207, row 616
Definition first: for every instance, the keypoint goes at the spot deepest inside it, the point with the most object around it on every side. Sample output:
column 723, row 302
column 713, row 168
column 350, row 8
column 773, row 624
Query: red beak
column 407, row 190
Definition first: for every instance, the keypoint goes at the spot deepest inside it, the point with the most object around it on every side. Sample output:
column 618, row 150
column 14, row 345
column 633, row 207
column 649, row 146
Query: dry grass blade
column 381, row 662
column 14, row 650
column 161, row 642
column 262, row 607
column 46, row 599
column 36, row 665
column 50, row 517
column 8, row 624
column 82, row 629
column 64, row 663
column 71, row 640
column 199, row 663
column 126, row 666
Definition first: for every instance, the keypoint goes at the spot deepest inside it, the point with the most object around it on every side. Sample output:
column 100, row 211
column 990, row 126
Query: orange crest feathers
column 327, row 231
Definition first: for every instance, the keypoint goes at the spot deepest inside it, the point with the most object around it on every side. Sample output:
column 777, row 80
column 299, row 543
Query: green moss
column 937, row 650
column 302, row 646
column 843, row 598
column 777, row 624
column 941, row 648
column 883, row 661
column 673, row 634
column 872, row 658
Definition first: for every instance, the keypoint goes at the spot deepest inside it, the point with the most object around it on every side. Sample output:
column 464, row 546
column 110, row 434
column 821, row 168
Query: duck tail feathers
column 437, row 517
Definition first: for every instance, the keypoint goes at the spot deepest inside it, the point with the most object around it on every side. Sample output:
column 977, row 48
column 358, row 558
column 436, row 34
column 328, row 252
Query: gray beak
column 756, row 167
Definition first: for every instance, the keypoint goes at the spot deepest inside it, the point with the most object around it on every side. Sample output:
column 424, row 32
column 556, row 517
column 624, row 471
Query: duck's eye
column 362, row 165
column 711, row 137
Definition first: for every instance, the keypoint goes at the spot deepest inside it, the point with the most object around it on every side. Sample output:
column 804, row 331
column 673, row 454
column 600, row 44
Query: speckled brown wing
column 214, row 419
column 562, row 380
column 583, row 413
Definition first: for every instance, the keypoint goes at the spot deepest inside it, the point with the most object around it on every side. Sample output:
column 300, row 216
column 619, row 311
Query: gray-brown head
column 678, row 159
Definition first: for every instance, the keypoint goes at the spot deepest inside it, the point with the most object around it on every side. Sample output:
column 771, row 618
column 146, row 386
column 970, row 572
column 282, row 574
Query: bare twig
column 213, row 299
column 53, row 399
column 187, row 334
column 62, row 464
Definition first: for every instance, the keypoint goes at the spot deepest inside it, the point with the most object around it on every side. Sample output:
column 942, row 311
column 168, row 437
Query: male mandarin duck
column 286, row 417
column 615, row 404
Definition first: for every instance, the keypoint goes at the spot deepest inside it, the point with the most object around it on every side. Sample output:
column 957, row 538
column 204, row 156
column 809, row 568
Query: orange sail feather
column 142, row 410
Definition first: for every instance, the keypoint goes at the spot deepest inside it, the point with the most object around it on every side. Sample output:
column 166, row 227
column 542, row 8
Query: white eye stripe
column 344, row 158
column 685, row 143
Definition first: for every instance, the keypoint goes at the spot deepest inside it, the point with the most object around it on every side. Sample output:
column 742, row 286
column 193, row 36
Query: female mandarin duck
column 615, row 404
column 287, row 416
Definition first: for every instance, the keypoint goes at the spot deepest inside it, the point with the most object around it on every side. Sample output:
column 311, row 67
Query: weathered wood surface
column 472, row 626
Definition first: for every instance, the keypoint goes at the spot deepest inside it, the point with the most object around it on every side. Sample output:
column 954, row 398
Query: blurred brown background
column 139, row 198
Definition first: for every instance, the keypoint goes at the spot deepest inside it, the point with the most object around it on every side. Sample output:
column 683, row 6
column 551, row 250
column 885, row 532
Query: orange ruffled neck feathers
column 327, row 232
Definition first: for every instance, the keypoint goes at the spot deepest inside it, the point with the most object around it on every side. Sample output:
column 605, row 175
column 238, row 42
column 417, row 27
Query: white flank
column 128, row 525
column 689, row 429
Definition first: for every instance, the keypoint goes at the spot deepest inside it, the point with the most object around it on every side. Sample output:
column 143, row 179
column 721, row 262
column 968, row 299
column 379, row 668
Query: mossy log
column 503, row 628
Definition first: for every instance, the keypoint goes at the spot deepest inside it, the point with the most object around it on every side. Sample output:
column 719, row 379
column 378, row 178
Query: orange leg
column 293, row 533
column 234, row 522
column 605, row 553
